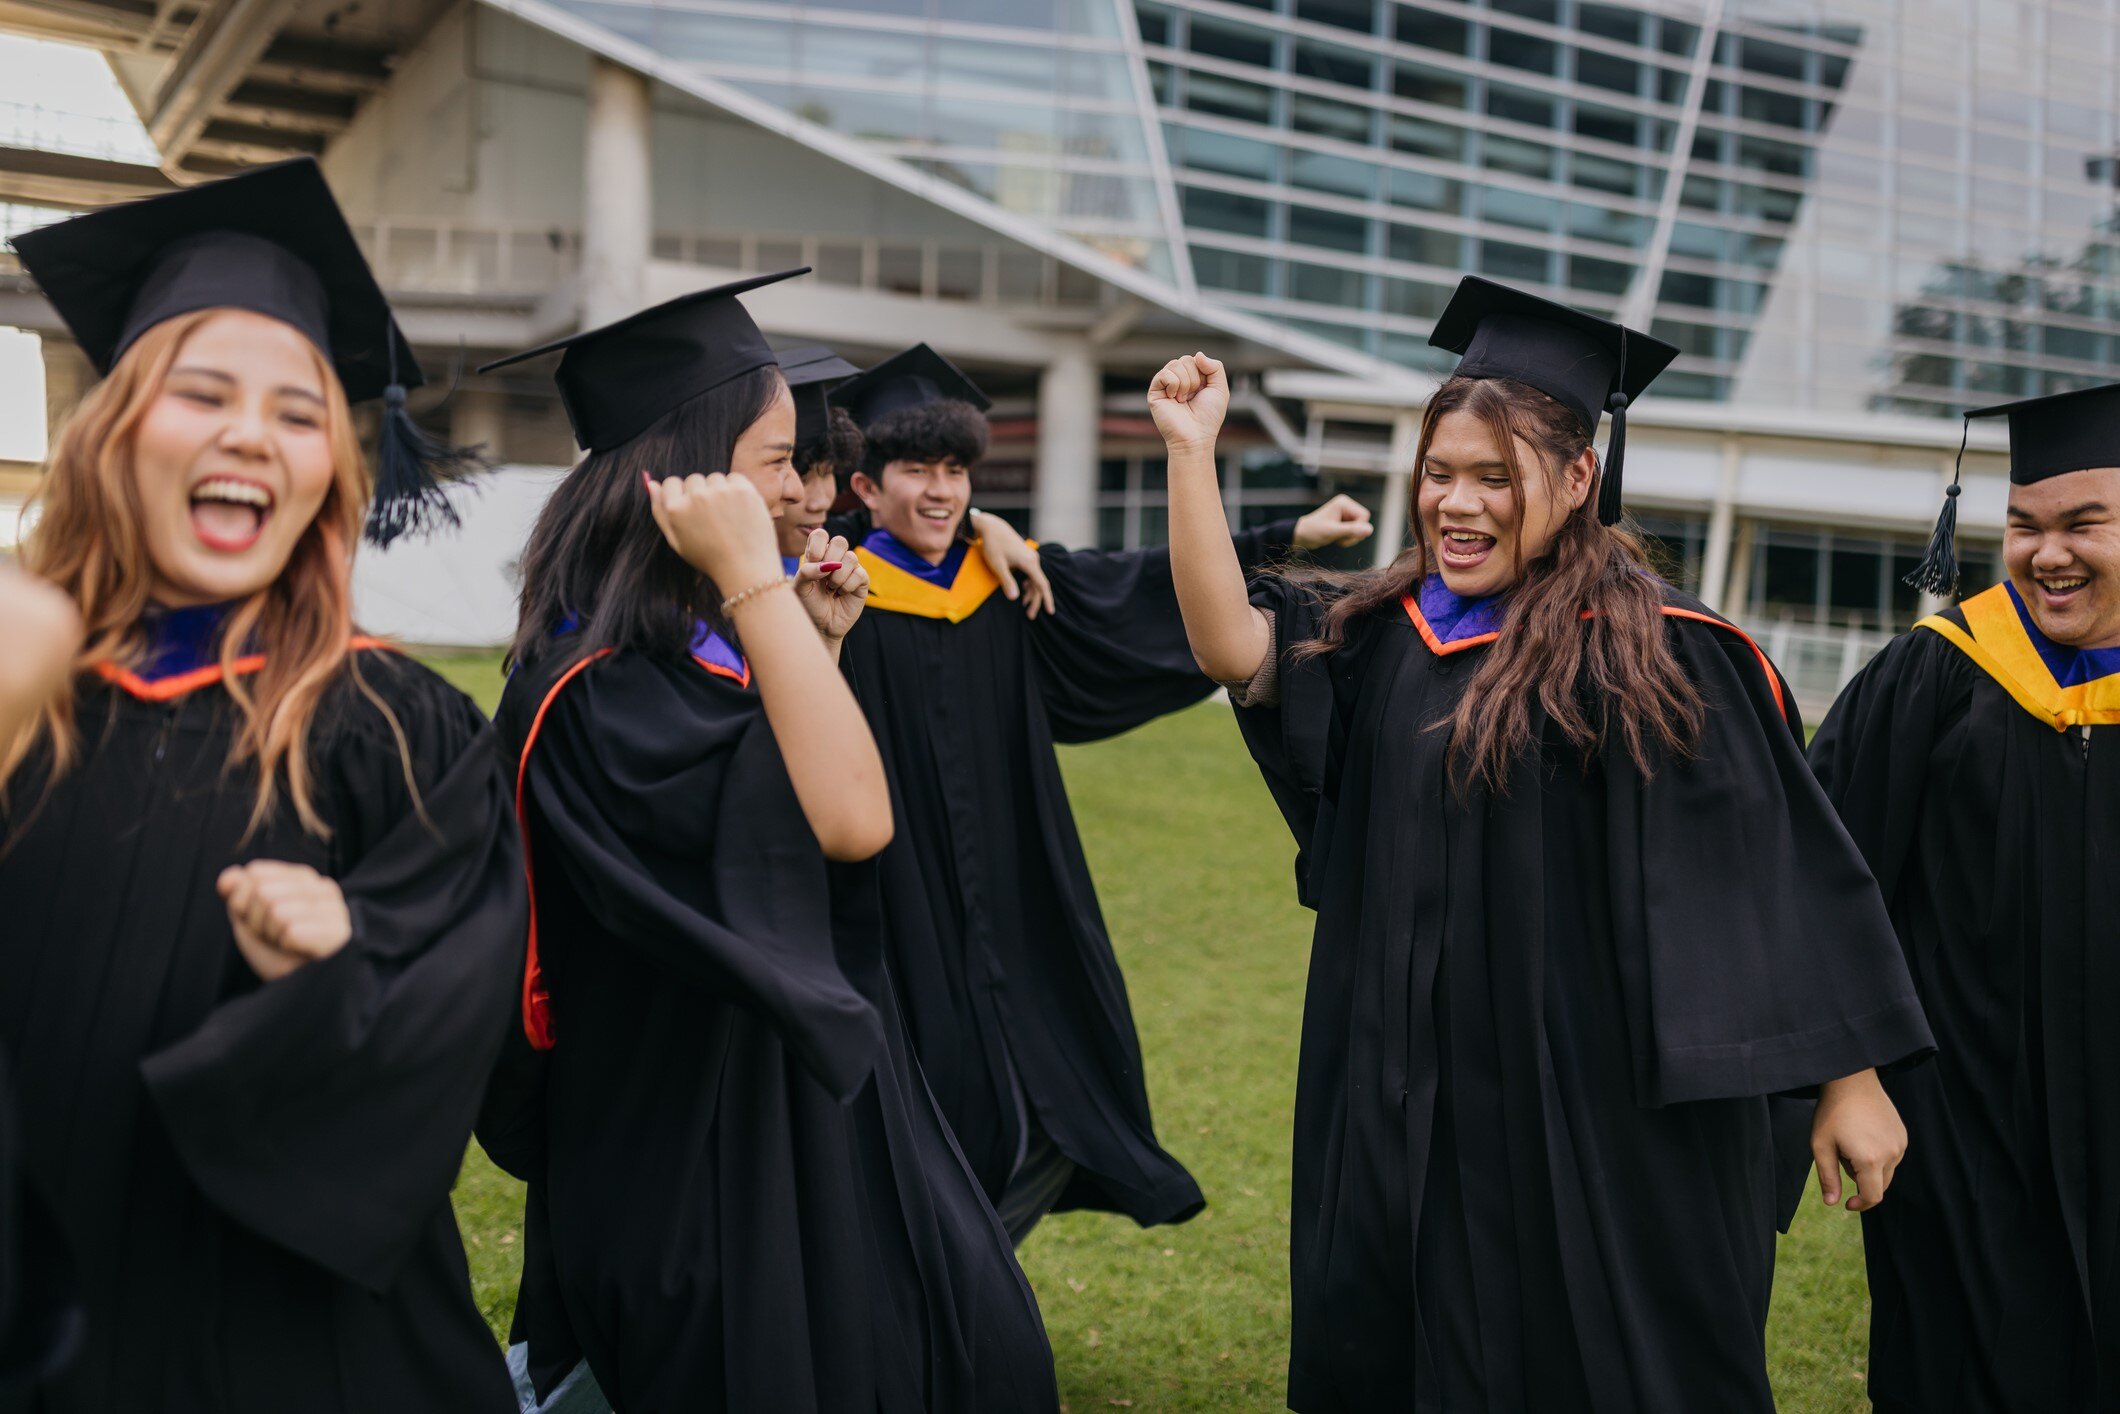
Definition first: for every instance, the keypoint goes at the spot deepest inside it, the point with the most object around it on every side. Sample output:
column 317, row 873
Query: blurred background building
column 1854, row 219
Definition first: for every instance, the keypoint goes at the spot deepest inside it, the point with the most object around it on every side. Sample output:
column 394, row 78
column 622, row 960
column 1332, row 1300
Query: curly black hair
column 838, row 448
column 947, row 430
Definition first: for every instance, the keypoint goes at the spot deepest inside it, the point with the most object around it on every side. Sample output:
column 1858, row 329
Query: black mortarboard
column 1588, row 365
column 907, row 379
column 2062, row 432
column 272, row 241
column 617, row 380
column 811, row 370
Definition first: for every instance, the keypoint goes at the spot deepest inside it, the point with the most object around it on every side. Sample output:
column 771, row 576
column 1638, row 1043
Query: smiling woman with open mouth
column 1584, row 921
column 260, row 892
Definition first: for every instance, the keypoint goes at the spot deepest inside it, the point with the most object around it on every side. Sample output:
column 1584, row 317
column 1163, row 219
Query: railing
column 1817, row 659
column 41, row 129
column 448, row 257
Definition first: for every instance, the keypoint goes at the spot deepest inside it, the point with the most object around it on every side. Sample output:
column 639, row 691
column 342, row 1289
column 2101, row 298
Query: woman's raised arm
column 1229, row 638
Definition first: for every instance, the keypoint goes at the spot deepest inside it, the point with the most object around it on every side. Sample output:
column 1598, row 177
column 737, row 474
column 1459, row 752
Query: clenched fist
column 720, row 526
column 284, row 915
column 1189, row 398
column 1340, row 521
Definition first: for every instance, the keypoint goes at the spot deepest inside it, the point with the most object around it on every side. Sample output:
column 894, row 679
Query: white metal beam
column 1300, row 347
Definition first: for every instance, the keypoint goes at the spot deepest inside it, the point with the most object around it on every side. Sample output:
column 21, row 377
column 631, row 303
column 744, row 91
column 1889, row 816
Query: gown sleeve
column 328, row 1111
column 1292, row 737
column 673, row 819
column 1113, row 654
column 1764, row 960
column 1872, row 751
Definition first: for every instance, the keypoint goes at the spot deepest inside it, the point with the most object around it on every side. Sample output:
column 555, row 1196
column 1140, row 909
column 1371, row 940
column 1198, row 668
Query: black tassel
column 410, row 469
column 1608, row 493
column 1608, row 488
column 1937, row 574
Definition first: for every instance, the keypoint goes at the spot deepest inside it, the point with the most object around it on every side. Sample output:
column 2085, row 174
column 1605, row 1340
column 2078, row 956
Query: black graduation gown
column 995, row 937
column 40, row 1310
column 253, row 1178
column 1995, row 1264
column 1533, row 1157
column 743, row 1198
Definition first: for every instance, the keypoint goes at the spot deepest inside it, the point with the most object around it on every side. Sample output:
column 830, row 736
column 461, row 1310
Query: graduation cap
column 617, row 380
column 272, row 241
column 1588, row 365
column 2049, row 436
column 811, row 370
column 910, row 378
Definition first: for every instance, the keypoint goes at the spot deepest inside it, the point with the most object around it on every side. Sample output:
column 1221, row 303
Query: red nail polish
column 830, row 566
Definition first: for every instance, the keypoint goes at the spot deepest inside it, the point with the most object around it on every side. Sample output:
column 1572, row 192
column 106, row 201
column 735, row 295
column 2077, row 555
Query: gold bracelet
column 737, row 601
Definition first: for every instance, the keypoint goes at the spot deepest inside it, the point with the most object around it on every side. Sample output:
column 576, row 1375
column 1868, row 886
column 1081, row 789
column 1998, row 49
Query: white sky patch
column 54, row 98
column 64, row 98
column 21, row 397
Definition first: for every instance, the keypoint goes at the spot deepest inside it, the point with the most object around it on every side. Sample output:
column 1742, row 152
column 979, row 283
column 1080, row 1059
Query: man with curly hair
column 995, row 940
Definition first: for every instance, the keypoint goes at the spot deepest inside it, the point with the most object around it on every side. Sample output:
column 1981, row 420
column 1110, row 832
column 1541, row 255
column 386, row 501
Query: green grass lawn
column 1193, row 866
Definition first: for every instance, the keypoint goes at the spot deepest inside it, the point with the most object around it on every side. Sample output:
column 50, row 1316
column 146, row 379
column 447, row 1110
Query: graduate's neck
column 922, row 537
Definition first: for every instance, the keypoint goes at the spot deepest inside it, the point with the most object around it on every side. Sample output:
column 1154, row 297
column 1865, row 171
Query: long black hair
column 597, row 558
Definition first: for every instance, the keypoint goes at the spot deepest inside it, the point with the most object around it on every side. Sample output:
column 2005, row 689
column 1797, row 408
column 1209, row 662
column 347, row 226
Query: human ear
column 1579, row 475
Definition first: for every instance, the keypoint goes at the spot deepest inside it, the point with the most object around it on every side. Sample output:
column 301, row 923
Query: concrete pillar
column 68, row 375
column 618, row 204
column 1070, row 408
column 1738, row 591
column 1722, row 524
column 479, row 418
column 1394, row 517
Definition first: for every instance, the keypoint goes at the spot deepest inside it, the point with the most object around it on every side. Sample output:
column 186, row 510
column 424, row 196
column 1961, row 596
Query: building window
column 1420, row 246
column 1343, row 176
column 1506, row 261
column 1326, row 284
column 1427, row 192
column 1848, row 581
column 1427, row 138
column 1523, row 51
column 1332, row 230
column 1226, row 211
column 1327, row 117
column 1222, row 40
column 1512, row 154
column 1133, row 499
column 1519, row 105
column 1221, row 152
column 1609, row 22
column 1676, row 546
column 1357, row 15
column 1607, row 71
column 1425, row 85
column 1228, row 98
column 1414, row 299
column 1334, row 64
column 1444, row 33
column 1232, row 270
column 1605, row 277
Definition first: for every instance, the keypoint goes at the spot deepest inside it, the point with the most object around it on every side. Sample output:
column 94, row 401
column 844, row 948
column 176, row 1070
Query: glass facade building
column 1872, row 205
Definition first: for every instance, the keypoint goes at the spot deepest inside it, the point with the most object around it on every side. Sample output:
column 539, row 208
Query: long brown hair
column 90, row 541
column 1582, row 633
